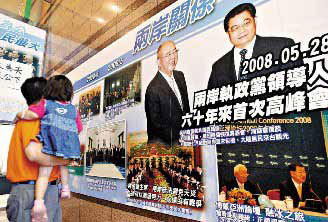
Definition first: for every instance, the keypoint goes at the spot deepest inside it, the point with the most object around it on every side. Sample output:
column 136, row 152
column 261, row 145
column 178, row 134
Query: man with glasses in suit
column 240, row 25
column 295, row 186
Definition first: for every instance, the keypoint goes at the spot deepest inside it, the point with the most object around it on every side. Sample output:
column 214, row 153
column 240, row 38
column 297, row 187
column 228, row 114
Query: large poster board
column 224, row 123
column 21, row 56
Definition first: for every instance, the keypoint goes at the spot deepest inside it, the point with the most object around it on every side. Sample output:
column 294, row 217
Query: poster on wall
column 12, row 76
column 231, row 124
column 21, row 57
column 105, row 155
column 122, row 90
column 89, row 103
column 167, row 175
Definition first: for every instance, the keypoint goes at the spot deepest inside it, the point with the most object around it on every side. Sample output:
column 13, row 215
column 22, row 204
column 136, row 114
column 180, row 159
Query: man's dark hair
column 59, row 88
column 237, row 10
column 292, row 167
column 32, row 89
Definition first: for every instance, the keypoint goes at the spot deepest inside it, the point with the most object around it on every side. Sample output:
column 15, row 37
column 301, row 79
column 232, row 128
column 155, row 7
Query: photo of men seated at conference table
column 165, row 174
column 295, row 194
column 245, row 177
column 279, row 158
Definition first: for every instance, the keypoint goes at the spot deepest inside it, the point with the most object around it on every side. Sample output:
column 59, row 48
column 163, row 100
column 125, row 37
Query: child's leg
column 65, row 193
column 39, row 210
column 64, row 175
column 42, row 182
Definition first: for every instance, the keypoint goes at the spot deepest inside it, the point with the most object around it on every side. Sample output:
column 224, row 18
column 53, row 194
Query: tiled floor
column 3, row 203
column 3, row 200
column 3, row 217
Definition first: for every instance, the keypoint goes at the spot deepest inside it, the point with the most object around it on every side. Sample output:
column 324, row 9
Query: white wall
column 5, row 132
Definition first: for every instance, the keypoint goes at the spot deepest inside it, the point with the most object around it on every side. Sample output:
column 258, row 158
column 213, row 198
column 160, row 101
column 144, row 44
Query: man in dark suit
column 95, row 103
column 241, row 180
column 189, row 171
column 166, row 99
column 295, row 186
column 240, row 25
column 15, row 56
column 199, row 174
column 3, row 53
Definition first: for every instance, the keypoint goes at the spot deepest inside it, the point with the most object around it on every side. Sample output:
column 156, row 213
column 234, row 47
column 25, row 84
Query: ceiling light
column 100, row 20
column 115, row 8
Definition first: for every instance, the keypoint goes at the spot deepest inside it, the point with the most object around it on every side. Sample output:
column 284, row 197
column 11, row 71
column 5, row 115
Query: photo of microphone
column 258, row 187
column 311, row 188
column 316, row 204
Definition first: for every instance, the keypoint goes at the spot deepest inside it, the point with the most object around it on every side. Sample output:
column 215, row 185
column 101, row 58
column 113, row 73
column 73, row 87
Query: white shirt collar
column 240, row 184
column 166, row 77
column 173, row 84
column 249, row 49
column 296, row 184
column 248, row 55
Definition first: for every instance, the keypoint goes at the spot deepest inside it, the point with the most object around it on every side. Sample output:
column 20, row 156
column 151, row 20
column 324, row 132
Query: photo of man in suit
column 240, row 25
column 295, row 186
column 241, row 180
column 15, row 56
column 166, row 99
column 3, row 53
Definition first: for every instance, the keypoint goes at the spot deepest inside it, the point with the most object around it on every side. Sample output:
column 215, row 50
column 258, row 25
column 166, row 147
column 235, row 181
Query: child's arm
column 78, row 122
column 27, row 114
column 35, row 111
